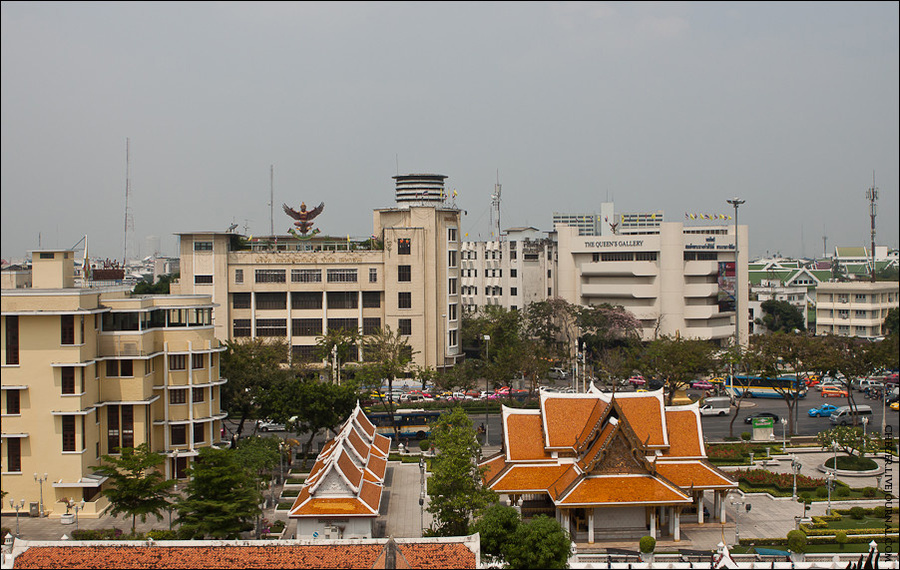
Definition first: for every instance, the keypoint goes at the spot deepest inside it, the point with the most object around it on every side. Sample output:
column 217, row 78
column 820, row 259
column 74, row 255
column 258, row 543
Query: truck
column 715, row 406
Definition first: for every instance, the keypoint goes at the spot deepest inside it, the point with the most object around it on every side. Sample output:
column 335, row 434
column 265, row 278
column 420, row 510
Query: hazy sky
column 674, row 107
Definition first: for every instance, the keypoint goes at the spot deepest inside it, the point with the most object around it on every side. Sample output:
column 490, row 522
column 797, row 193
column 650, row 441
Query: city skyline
column 677, row 107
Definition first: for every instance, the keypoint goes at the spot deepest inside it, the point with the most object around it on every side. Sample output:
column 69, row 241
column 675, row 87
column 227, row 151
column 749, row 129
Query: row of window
column 198, row 395
column 302, row 327
column 626, row 256
column 307, row 300
column 158, row 318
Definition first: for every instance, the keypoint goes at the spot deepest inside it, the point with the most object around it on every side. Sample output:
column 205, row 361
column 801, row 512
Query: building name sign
column 710, row 243
column 626, row 243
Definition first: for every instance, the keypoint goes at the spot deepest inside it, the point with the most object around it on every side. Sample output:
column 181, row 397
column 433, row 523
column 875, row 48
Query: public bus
column 413, row 423
column 758, row 387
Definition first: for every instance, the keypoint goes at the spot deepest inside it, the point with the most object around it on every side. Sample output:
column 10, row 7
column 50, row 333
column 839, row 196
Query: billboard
column 726, row 281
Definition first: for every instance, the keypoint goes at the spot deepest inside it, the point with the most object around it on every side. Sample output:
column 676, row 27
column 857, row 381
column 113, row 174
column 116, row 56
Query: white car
column 268, row 425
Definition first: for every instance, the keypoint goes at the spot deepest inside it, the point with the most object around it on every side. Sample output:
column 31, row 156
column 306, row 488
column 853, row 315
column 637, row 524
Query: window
column 343, row 300
column 306, row 300
column 306, row 275
column 179, row 435
column 198, row 395
column 240, row 301
column 343, row 324
column 306, row 327
column 405, row 326
column 861, row 297
column 341, row 275
column 451, row 312
column 371, row 299
column 199, row 433
column 203, row 279
column 13, row 454
column 271, row 301
column 238, row 275
column 67, row 329
column 451, row 258
column 451, row 286
column 404, row 273
column 68, row 380
column 177, row 362
column 196, row 361
column 178, row 396
column 453, row 337
column 241, row 327
column 371, row 324
column 513, row 291
column 13, row 402
column 304, row 353
column 271, row 327
column 373, row 275
column 270, row 276
column 404, row 300
column 203, row 246
column 512, row 254
column 126, row 368
column 68, row 433
column 12, row 339
column 645, row 256
column 404, row 246
column 127, row 425
column 513, row 273
column 452, row 234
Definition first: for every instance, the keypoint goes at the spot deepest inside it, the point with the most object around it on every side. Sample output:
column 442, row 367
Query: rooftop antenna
column 495, row 207
column 129, row 219
column 272, row 200
column 872, row 196
column 824, row 243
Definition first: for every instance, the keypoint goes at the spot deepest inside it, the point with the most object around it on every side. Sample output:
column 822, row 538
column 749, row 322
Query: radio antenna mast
column 129, row 219
column 272, row 199
column 872, row 196
column 495, row 207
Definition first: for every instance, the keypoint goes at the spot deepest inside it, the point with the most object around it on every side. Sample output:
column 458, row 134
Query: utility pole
column 872, row 196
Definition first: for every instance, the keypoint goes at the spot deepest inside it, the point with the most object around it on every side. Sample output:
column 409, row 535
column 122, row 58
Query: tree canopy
column 137, row 488
column 251, row 366
column 781, row 316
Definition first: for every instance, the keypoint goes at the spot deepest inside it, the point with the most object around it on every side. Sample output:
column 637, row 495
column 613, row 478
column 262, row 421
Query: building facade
column 855, row 308
column 404, row 277
column 88, row 371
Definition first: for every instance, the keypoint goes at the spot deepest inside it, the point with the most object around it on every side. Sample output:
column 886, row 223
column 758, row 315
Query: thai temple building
column 342, row 495
column 607, row 465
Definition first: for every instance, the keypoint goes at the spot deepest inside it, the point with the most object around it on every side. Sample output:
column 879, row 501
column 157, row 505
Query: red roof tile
column 685, row 439
column 645, row 416
column 528, row 442
column 528, row 478
column 564, row 417
column 694, row 474
column 622, row 489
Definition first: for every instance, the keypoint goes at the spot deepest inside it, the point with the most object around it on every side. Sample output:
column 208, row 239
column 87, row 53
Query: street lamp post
column 487, row 358
column 829, row 480
column 795, row 467
column 41, row 479
column 865, row 422
column 17, row 506
column 737, row 318
column 78, row 507
column 783, row 435
column 737, row 504
column 422, row 493
column 281, row 462
column 834, row 448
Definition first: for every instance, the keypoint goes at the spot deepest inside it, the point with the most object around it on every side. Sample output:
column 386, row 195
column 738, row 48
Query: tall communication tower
column 272, row 199
column 129, row 218
column 872, row 196
column 495, row 208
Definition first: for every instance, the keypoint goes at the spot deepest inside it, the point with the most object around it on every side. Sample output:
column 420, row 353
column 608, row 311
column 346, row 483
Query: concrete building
column 855, row 308
column 87, row 371
column 405, row 277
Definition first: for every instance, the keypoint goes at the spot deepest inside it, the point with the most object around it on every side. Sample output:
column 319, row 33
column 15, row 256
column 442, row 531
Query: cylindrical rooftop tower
column 420, row 189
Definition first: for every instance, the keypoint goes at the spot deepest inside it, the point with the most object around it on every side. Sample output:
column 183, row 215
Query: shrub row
column 812, row 540
column 781, row 481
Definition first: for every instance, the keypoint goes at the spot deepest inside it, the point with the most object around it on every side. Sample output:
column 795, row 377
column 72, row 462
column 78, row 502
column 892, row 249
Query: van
column 843, row 416
column 557, row 374
column 719, row 406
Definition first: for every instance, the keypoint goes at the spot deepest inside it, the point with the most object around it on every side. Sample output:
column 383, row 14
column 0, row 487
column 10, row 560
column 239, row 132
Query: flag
column 85, row 264
column 455, row 193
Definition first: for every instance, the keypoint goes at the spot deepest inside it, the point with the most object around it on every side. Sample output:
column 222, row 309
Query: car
column 895, row 405
column 269, row 425
column 557, row 374
column 834, row 392
column 717, row 380
column 637, row 380
column 701, row 385
column 749, row 419
column 822, row 411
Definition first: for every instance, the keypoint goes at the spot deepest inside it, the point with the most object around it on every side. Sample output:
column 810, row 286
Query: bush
column 858, row 513
column 840, row 537
column 877, row 512
column 869, row 492
column 424, row 445
column 647, row 544
column 806, row 495
column 822, row 492
column 796, row 541
column 842, row 491
column 163, row 535
column 277, row 527
column 746, row 436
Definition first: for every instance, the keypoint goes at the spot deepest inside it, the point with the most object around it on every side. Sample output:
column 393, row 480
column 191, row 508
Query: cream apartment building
column 90, row 370
column 405, row 276
column 855, row 308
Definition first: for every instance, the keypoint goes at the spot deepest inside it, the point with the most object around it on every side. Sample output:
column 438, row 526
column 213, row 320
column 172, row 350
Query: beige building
column 855, row 308
column 404, row 277
column 90, row 370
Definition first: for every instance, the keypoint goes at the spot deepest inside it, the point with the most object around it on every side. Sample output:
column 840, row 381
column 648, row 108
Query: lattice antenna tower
column 495, row 208
column 872, row 197
column 129, row 218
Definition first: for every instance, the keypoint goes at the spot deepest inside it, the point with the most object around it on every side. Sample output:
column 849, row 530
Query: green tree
column 258, row 454
column 846, row 358
column 391, row 356
column 848, row 439
column 137, row 487
column 781, row 316
column 222, row 497
column 337, row 346
column 541, row 543
column 606, row 326
column 778, row 355
column 251, row 367
column 161, row 287
column 891, row 325
column 455, row 486
column 677, row 361
column 496, row 527
column 796, row 541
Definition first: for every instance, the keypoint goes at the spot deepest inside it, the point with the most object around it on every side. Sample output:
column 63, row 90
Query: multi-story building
column 90, row 370
column 607, row 222
column 855, row 308
column 405, row 277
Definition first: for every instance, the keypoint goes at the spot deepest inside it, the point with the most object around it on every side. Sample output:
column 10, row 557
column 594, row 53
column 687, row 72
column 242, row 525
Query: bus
column 758, row 387
column 413, row 423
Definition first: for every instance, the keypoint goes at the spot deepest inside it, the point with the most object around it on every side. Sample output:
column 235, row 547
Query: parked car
column 822, row 411
column 749, row 419
column 268, row 425
column 895, row 405
column 557, row 373
column 719, row 406
column 835, row 392
column 701, row 385
column 637, row 380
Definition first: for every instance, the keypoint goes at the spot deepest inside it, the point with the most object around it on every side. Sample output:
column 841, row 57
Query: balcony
column 620, row 290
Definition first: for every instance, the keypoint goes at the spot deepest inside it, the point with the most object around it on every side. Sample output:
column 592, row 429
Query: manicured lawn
column 866, row 522
column 853, row 547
